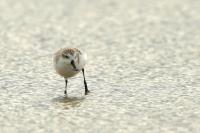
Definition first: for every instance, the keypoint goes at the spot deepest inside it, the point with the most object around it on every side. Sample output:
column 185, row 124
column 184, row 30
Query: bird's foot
column 86, row 92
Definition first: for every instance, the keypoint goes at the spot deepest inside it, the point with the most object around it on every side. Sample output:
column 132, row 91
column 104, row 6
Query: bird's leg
column 85, row 83
column 65, row 92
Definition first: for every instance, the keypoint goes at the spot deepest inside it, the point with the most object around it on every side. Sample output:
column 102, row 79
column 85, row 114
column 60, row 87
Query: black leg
column 85, row 83
column 65, row 92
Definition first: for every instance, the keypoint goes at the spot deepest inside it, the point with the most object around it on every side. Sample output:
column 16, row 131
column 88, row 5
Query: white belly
column 64, row 70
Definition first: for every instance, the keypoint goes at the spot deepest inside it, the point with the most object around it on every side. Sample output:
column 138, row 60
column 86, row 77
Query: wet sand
column 143, row 70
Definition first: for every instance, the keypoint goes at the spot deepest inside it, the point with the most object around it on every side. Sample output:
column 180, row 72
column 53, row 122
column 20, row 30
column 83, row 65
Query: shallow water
column 143, row 70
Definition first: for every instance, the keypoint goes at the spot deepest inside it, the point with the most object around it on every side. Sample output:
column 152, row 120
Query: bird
column 68, row 62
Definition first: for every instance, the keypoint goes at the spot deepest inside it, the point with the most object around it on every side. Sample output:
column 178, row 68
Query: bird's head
column 70, row 57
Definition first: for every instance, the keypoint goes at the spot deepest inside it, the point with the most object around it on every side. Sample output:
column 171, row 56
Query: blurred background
column 143, row 69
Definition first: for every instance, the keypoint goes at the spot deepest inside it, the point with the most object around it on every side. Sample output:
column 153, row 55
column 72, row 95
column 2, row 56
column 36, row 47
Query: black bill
column 73, row 65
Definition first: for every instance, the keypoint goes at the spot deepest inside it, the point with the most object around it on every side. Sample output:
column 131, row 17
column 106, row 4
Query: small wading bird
column 68, row 62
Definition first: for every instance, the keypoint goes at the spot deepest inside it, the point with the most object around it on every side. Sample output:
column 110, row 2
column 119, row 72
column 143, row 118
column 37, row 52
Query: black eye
column 66, row 56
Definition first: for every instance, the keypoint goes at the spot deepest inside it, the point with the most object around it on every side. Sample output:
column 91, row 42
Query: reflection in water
column 67, row 102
